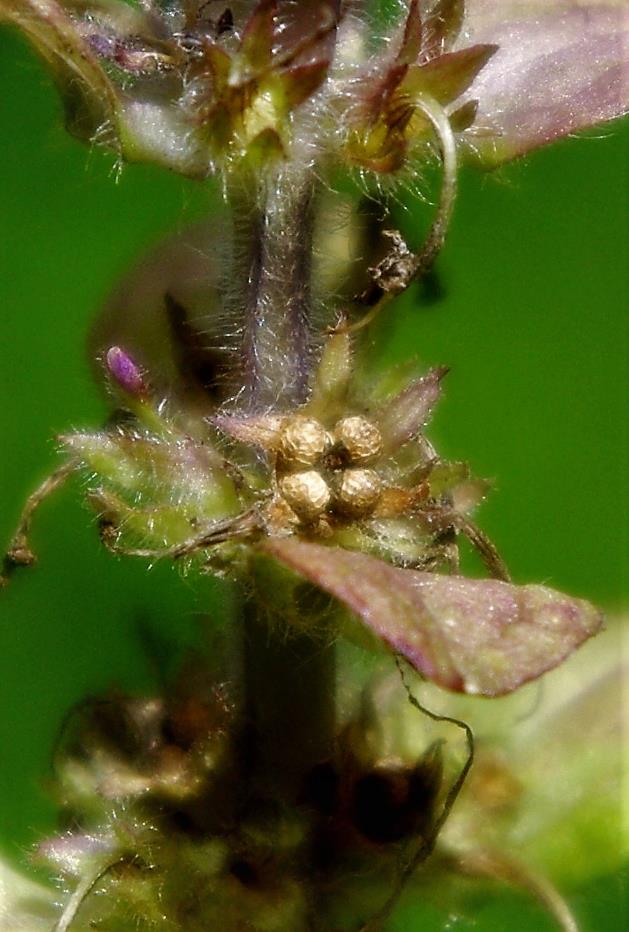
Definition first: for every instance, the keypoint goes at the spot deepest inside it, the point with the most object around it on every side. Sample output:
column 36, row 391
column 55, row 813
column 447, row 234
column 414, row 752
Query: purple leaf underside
column 561, row 67
column 479, row 636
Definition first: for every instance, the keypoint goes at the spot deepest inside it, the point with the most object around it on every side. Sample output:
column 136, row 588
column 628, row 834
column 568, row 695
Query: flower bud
column 360, row 439
column 125, row 372
column 307, row 493
column 359, row 492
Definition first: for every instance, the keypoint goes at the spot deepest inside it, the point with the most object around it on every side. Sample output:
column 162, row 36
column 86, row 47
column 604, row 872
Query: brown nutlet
column 359, row 492
column 361, row 440
column 302, row 442
column 307, row 493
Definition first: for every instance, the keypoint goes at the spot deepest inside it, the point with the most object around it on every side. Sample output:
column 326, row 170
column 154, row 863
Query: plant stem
column 288, row 676
column 289, row 703
column 272, row 260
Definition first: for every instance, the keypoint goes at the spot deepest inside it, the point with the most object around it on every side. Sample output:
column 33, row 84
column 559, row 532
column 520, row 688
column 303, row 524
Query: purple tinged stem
column 274, row 263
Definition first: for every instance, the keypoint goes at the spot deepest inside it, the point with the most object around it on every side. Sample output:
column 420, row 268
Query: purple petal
column 168, row 312
column 560, row 67
column 479, row 636
column 406, row 414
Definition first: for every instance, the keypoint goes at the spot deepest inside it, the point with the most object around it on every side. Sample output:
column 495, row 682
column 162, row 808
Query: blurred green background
column 531, row 318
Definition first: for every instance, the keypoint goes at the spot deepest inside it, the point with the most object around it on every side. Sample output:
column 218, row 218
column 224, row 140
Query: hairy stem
column 288, row 677
column 272, row 260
